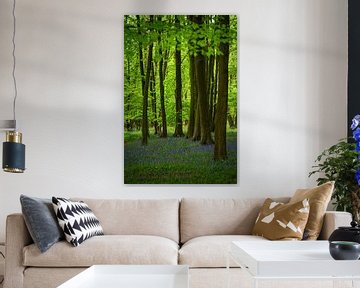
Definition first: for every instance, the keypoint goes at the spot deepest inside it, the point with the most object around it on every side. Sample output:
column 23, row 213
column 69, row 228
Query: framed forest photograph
column 180, row 99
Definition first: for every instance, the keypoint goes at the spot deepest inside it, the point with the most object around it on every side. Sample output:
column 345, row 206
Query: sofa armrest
column 333, row 220
column 17, row 237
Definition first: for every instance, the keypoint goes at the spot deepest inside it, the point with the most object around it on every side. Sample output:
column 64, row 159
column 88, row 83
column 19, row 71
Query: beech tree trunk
column 153, row 98
column 197, row 128
column 145, row 121
column 220, row 152
column 162, row 68
column 231, row 121
column 193, row 98
column 211, row 90
column 215, row 90
column 141, row 58
column 178, row 90
column 200, row 63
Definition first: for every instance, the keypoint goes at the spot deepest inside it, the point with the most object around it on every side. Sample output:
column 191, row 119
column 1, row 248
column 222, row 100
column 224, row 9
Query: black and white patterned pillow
column 77, row 220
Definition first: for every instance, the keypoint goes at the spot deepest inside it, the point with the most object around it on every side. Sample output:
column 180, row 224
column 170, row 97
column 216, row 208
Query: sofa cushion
column 107, row 249
column 41, row 221
column 279, row 221
column 158, row 217
column 211, row 251
column 77, row 220
column 200, row 217
column 319, row 198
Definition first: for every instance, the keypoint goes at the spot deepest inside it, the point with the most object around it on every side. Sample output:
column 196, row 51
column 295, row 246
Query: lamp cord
column 14, row 61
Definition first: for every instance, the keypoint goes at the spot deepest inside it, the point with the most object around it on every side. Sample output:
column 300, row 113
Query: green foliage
column 233, row 91
column 132, row 136
column 164, row 26
column 339, row 163
column 205, row 38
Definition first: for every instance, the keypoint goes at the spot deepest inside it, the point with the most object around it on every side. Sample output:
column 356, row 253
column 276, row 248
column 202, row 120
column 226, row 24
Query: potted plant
column 341, row 163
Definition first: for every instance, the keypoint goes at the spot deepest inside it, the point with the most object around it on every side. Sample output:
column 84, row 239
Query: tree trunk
column 128, row 80
column 153, row 97
column 141, row 58
column 161, row 85
column 215, row 90
column 210, row 90
column 231, row 121
column 200, row 63
column 197, row 128
column 193, row 99
column 178, row 90
column 127, row 104
column 220, row 152
column 145, row 122
column 166, row 56
column 203, row 100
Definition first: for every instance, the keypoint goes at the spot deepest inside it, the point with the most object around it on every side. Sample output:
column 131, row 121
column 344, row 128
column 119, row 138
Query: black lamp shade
column 13, row 157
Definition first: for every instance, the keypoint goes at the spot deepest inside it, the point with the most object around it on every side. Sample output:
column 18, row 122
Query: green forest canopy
column 177, row 69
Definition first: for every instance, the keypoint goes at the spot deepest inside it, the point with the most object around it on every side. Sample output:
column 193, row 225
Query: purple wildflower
column 357, row 176
column 356, row 134
column 355, row 122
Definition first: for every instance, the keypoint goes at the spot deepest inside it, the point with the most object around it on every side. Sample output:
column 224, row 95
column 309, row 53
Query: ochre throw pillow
column 319, row 198
column 279, row 221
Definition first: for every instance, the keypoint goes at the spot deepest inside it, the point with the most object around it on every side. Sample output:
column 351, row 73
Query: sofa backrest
column 200, row 217
column 159, row 217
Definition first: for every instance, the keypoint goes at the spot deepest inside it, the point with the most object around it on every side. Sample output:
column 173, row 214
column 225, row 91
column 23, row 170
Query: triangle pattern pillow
column 279, row 221
column 77, row 220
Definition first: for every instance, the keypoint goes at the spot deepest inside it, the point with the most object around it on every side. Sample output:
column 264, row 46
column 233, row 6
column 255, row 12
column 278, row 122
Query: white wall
column 293, row 62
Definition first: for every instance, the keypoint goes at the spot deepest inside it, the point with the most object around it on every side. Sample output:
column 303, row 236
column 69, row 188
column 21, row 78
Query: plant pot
column 351, row 233
column 344, row 250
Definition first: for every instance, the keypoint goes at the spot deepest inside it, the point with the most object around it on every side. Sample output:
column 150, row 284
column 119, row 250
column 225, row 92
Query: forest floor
column 175, row 160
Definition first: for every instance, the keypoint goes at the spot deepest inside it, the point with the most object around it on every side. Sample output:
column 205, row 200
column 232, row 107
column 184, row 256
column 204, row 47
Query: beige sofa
column 195, row 232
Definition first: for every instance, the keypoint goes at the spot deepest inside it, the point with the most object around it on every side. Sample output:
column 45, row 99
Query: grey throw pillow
column 41, row 221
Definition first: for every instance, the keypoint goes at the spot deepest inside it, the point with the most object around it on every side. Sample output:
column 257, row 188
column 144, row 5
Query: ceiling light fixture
column 13, row 149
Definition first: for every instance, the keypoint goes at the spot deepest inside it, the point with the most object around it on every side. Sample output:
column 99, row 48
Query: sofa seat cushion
column 211, row 251
column 107, row 249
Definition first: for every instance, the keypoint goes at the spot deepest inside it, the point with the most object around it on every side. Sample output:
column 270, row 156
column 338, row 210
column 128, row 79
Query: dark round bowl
column 344, row 250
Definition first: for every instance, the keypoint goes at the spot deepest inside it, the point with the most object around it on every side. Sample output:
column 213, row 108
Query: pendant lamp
column 13, row 160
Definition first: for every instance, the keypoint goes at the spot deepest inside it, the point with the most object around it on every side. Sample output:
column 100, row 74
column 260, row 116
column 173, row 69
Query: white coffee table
column 131, row 276
column 285, row 260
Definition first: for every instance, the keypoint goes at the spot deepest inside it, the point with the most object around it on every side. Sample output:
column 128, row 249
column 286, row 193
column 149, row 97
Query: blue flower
column 357, row 147
column 357, row 176
column 356, row 134
column 355, row 122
